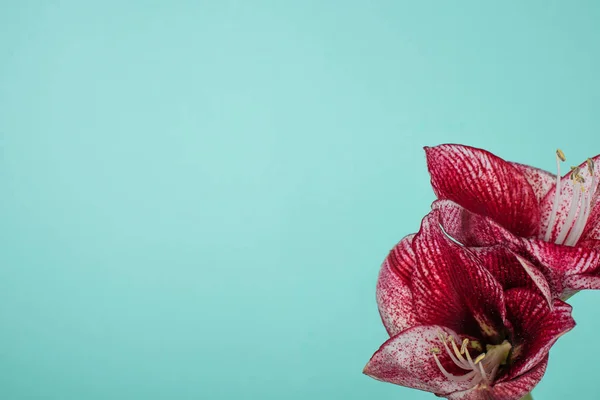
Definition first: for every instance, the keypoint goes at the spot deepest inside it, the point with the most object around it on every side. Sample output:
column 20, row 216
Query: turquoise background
column 196, row 196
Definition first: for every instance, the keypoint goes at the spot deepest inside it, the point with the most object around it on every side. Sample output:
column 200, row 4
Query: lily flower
column 460, row 326
column 553, row 221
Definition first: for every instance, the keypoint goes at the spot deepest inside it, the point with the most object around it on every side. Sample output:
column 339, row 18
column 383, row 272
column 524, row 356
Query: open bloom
column 463, row 325
column 551, row 220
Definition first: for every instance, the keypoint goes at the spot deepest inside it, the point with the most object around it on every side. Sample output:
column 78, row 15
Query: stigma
column 581, row 203
column 481, row 370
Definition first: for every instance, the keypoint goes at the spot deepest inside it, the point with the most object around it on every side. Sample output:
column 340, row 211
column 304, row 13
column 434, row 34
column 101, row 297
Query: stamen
column 471, row 363
column 575, row 221
column 448, row 375
column 476, row 380
column 460, row 361
column 577, row 229
column 484, row 375
column 571, row 215
column 560, row 156
column 483, row 369
column 494, row 372
column 593, row 187
column 464, row 346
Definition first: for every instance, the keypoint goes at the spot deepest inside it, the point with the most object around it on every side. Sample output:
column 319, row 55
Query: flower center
column 581, row 204
column 481, row 370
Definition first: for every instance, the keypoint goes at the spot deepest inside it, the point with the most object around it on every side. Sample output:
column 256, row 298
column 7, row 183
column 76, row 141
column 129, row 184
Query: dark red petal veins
column 536, row 327
column 471, row 229
column 401, row 258
column 514, row 389
column 562, row 261
column 394, row 296
column 451, row 287
column 512, row 271
column 485, row 184
column 406, row 360
column 540, row 181
column 517, row 388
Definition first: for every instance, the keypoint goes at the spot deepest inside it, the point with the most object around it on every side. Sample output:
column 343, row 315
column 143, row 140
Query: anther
column 479, row 358
column 464, row 346
column 435, row 350
column 574, row 172
column 561, row 155
column 590, row 165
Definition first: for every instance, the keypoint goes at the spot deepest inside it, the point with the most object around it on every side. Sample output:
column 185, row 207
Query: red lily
column 461, row 326
column 554, row 222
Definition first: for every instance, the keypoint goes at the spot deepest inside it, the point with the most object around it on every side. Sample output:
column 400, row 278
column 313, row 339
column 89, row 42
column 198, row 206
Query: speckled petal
column 574, row 283
column 406, row 360
column 394, row 295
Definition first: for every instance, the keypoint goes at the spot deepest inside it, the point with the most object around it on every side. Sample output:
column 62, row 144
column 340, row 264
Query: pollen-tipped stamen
column 456, row 357
column 582, row 217
column 482, row 369
column 560, row 156
column 571, row 229
column 450, row 376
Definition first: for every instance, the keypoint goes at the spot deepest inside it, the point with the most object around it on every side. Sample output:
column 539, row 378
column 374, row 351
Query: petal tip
column 368, row 370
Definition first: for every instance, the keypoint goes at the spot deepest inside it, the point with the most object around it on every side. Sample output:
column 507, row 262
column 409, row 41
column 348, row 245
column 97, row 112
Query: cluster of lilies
column 475, row 299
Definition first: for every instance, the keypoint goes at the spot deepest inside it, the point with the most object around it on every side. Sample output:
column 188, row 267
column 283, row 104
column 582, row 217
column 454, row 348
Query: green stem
column 528, row 396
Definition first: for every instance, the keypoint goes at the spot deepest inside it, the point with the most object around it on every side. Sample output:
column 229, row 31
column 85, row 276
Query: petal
column 592, row 227
column 564, row 205
column 485, row 184
column 541, row 181
column 471, row 229
column 590, row 243
column 539, row 280
column 572, row 260
column 406, row 360
column 560, row 262
column 574, row 283
column 514, row 389
column 536, row 327
column 518, row 387
column 513, row 271
column 451, row 287
column 476, row 393
column 394, row 296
